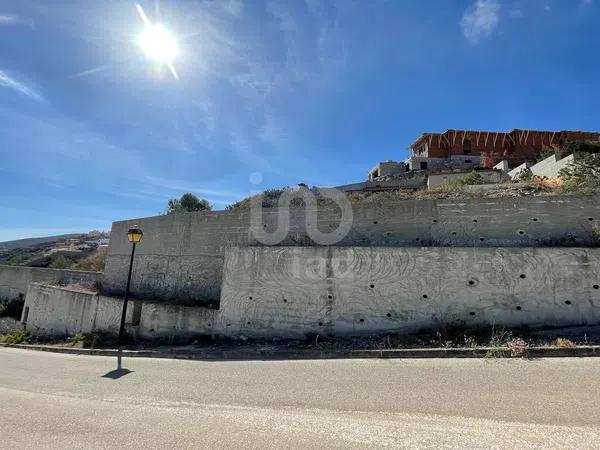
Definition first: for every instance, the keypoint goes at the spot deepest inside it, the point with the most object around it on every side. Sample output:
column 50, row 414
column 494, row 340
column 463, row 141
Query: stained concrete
column 181, row 255
column 299, row 291
column 14, row 280
column 352, row 291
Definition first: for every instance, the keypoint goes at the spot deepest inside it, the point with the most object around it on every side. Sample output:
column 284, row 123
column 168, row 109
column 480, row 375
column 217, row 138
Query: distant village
column 74, row 251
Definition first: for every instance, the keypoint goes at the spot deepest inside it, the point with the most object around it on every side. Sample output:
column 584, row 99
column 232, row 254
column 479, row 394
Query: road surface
column 67, row 401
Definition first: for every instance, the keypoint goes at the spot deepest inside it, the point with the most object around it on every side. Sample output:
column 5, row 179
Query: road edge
column 253, row 354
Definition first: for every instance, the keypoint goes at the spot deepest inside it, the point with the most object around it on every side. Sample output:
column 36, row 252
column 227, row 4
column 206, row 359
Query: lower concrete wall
column 14, row 280
column 342, row 291
column 441, row 179
column 56, row 311
column 299, row 291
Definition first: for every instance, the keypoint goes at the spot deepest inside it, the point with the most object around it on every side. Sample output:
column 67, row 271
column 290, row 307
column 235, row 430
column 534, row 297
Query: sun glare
column 158, row 43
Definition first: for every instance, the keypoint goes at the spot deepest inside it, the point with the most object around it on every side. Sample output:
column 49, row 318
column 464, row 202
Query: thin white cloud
column 21, row 88
column 85, row 73
column 480, row 20
column 9, row 20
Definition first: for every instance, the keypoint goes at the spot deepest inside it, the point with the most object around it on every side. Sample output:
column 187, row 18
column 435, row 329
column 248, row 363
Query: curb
column 480, row 352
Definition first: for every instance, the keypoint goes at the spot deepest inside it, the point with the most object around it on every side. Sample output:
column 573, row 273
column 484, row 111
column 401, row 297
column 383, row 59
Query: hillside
column 85, row 251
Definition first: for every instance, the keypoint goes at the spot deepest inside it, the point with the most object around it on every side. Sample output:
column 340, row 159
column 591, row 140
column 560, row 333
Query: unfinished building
column 488, row 148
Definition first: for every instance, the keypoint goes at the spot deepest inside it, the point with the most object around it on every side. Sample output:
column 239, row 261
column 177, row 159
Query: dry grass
column 94, row 262
column 564, row 343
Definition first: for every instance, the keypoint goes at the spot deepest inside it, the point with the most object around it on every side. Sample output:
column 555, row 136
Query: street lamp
column 134, row 235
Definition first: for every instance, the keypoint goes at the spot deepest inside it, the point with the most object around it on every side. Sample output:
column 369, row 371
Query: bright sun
column 158, row 43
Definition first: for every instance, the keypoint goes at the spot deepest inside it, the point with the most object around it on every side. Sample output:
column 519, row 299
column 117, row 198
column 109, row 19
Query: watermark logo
column 284, row 212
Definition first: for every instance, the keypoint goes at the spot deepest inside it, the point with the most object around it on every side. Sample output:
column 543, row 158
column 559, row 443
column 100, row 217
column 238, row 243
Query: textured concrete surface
column 550, row 167
column 57, row 311
column 182, row 255
column 294, row 291
column 61, row 401
column 440, row 179
column 14, row 280
column 299, row 291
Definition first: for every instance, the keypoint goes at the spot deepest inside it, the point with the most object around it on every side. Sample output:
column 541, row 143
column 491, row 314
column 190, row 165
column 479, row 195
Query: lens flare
column 158, row 43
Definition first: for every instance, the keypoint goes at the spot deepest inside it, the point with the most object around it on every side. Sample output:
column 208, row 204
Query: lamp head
column 134, row 234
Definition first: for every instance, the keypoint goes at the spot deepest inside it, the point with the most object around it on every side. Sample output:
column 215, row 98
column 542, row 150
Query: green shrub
column 15, row 337
column 471, row 179
column 583, row 174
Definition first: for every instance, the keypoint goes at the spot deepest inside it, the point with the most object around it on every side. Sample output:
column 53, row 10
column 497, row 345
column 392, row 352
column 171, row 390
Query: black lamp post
column 134, row 235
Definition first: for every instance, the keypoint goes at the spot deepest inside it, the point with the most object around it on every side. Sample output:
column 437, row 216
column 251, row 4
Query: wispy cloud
column 85, row 73
column 9, row 82
column 10, row 20
column 480, row 20
column 217, row 196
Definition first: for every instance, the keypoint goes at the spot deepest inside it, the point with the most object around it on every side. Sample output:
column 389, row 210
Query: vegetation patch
column 15, row 337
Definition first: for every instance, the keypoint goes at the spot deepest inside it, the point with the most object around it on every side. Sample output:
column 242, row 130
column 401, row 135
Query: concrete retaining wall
column 181, row 255
column 440, row 179
column 298, row 291
column 58, row 312
column 551, row 167
column 14, row 280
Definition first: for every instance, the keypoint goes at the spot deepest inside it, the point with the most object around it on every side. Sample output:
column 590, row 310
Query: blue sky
column 277, row 91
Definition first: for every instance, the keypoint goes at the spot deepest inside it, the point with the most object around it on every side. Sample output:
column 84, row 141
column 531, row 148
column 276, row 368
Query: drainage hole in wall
column 535, row 219
column 595, row 286
column 454, row 233
column 209, row 325
column 425, row 296
column 249, row 298
column 249, row 323
column 522, row 276
column 387, row 233
column 521, row 232
column 471, row 282
column 285, row 300
column 371, row 286
column 567, row 302
column 363, row 239
column 482, row 239
column 389, row 315
column 475, row 220
column 417, row 239
column 375, row 222
column 330, row 297
column 471, row 313
column 434, row 220
column 590, row 218
column 361, row 320
column 320, row 324
column 264, row 225
column 519, row 308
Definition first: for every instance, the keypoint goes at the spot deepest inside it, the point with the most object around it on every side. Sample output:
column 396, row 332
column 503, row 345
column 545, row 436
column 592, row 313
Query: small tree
column 583, row 174
column 187, row 203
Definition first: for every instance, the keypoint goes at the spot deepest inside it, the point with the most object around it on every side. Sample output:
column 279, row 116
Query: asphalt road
column 65, row 401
